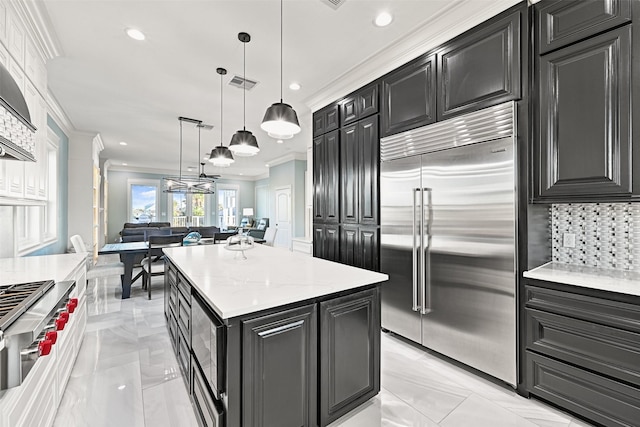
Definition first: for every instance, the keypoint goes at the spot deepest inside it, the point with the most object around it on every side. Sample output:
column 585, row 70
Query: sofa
column 141, row 232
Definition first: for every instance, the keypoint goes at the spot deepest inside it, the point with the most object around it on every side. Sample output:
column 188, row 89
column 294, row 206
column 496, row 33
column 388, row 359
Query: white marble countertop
column 36, row 268
column 269, row 278
column 621, row 281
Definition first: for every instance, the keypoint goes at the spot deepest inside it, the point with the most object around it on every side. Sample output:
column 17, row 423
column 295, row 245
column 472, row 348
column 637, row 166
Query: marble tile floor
column 127, row 375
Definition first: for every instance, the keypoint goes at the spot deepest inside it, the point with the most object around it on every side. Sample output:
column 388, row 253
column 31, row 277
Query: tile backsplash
column 607, row 235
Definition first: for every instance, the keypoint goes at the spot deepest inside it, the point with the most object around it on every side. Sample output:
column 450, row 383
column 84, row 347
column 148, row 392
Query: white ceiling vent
column 334, row 4
column 239, row 82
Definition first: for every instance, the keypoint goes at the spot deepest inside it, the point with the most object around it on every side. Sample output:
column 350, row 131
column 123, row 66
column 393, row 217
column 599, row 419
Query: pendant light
column 199, row 184
column 243, row 143
column 281, row 119
column 221, row 155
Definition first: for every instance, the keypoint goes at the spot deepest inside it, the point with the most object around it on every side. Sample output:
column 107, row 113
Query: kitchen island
column 277, row 339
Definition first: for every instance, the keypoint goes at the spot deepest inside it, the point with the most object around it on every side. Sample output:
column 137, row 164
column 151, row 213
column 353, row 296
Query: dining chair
column 98, row 270
column 270, row 236
column 153, row 263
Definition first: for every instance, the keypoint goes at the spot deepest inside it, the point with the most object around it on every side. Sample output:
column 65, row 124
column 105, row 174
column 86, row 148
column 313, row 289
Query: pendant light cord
column 180, row 169
column 221, row 97
column 244, row 86
column 281, row 68
column 198, row 159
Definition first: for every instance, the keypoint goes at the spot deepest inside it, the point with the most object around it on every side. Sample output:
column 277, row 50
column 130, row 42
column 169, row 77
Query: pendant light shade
column 221, row 156
column 243, row 143
column 280, row 119
column 278, row 136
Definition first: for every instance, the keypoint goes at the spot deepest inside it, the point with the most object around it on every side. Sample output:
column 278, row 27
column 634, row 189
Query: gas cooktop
column 16, row 299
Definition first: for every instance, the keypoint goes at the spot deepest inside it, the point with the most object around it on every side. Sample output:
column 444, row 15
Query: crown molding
column 296, row 155
column 38, row 24
column 59, row 116
column 456, row 18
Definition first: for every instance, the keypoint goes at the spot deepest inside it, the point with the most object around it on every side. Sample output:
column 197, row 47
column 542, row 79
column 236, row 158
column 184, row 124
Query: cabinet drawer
column 185, row 289
column 173, row 330
column 564, row 22
column 599, row 398
column 608, row 312
column 610, row 351
column 173, row 298
column 208, row 409
column 184, row 316
column 184, row 358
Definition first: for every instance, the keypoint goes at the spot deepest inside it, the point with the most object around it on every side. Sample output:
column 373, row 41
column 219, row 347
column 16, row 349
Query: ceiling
column 134, row 91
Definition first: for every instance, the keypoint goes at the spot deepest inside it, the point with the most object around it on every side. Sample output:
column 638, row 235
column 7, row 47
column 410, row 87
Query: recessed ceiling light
column 383, row 19
column 190, row 169
column 135, row 34
column 279, row 141
column 124, row 164
column 123, row 143
column 294, row 86
column 267, row 164
column 241, row 173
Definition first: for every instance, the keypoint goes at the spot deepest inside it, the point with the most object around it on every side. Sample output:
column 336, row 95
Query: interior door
column 283, row 217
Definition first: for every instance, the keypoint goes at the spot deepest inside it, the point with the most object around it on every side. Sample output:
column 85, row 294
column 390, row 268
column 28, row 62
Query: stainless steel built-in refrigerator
column 448, row 238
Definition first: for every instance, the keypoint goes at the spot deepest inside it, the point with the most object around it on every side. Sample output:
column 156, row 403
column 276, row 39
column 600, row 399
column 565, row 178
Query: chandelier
column 189, row 184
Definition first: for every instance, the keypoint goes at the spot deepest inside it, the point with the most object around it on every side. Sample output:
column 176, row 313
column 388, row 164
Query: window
column 188, row 210
column 143, row 199
column 227, row 206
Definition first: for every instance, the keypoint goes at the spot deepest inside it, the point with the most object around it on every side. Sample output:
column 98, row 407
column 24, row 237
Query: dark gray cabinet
column 359, row 169
column 481, row 68
column 584, row 147
column 359, row 246
column 326, row 241
column 279, row 369
column 409, row 96
column 326, row 119
column 563, row 22
column 583, row 351
column 350, row 372
column 361, row 104
column 326, row 178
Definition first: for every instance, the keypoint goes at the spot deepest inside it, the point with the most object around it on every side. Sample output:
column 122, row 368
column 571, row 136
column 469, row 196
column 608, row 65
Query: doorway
column 187, row 210
column 283, row 217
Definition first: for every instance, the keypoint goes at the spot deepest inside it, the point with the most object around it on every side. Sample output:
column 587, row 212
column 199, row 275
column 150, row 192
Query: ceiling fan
column 204, row 175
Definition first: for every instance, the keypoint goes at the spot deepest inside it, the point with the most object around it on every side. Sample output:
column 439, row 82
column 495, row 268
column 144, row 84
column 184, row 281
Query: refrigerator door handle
column 425, row 238
column 414, row 302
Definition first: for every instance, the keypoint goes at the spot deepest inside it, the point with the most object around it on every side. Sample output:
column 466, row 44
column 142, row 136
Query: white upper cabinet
column 15, row 38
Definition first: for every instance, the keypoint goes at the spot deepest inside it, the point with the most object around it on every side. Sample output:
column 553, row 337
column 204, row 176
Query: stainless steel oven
column 31, row 316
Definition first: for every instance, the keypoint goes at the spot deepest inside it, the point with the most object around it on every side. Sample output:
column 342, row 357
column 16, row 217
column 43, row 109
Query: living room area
column 135, row 201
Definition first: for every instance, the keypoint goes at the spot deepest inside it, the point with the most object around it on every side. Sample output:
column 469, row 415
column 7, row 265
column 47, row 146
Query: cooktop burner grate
column 16, row 299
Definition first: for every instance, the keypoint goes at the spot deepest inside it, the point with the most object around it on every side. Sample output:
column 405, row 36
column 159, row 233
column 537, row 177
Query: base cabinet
column 583, row 351
column 349, row 353
column 279, row 369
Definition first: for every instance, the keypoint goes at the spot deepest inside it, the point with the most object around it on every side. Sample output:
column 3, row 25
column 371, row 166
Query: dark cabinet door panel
column 599, row 398
column 480, row 69
column 318, row 240
column 332, row 242
column 318, row 179
column 409, row 96
column 331, row 162
column 349, row 110
column 369, row 175
column 326, row 120
column 349, row 245
column 350, row 359
column 564, row 22
column 368, row 98
column 349, row 167
column 585, row 117
column 369, row 252
column 279, row 369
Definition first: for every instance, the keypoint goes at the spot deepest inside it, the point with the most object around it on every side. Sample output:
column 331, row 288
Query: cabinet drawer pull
column 281, row 328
